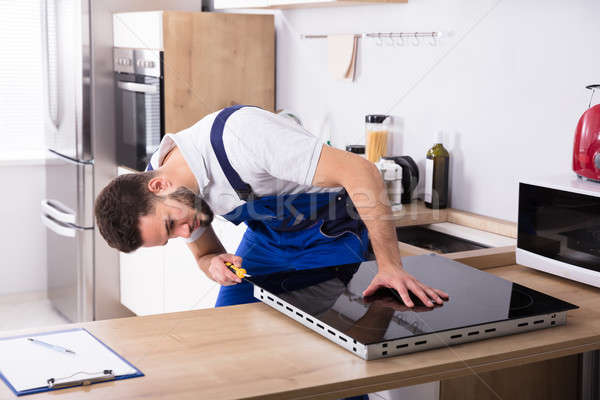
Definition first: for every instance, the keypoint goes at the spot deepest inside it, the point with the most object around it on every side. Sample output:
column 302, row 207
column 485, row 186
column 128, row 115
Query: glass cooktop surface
column 333, row 295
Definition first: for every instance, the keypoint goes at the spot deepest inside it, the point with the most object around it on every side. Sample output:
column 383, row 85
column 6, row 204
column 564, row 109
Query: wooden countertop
column 416, row 213
column 253, row 351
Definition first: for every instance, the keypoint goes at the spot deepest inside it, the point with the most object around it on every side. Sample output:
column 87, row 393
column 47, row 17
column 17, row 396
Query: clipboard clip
column 59, row 383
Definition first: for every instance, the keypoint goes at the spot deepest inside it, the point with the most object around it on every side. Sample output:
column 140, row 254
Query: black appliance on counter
column 410, row 171
column 139, row 105
column 329, row 301
column 410, row 176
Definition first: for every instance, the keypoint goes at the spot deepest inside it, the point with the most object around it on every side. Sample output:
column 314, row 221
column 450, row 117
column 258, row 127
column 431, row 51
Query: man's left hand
column 400, row 280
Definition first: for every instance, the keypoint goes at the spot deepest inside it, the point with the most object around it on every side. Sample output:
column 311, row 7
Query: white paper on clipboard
column 26, row 365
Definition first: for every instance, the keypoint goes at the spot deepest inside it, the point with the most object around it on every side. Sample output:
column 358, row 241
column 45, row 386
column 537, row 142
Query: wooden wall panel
column 214, row 60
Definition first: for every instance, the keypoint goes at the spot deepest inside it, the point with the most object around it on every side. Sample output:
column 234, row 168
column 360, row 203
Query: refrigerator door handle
column 60, row 228
column 51, row 87
column 71, row 160
column 58, row 211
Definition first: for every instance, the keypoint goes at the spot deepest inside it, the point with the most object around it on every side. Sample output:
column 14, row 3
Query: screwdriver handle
column 240, row 272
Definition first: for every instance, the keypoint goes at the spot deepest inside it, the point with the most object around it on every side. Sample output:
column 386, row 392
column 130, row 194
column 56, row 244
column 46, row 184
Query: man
column 306, row 204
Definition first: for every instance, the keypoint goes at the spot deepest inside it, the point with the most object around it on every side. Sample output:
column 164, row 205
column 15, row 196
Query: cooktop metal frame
column 395, row 347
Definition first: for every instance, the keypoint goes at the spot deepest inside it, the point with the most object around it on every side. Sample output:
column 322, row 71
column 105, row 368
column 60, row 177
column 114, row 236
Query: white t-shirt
column 269, row 152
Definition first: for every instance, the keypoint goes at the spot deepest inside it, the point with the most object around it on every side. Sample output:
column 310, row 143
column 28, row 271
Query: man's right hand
column 220, row 273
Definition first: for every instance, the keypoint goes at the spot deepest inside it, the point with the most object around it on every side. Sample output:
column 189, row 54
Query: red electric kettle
column 586, row 150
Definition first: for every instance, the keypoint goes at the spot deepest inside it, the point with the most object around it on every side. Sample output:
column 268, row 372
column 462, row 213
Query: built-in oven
column 139, row 105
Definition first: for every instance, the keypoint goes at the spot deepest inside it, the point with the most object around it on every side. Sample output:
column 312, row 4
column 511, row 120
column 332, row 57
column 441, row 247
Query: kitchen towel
column 341, row 54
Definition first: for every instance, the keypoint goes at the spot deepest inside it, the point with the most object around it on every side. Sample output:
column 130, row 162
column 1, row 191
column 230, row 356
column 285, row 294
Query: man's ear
column 158, row 185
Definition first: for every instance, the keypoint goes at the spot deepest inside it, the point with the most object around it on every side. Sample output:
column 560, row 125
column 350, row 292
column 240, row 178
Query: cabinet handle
column 51, row 88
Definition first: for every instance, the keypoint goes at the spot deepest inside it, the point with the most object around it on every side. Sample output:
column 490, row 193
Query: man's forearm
column 364, row 184
column 369, row 195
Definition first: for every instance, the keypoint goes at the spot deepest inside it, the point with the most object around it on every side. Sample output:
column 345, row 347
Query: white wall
column 508, row 85
column 22, row 236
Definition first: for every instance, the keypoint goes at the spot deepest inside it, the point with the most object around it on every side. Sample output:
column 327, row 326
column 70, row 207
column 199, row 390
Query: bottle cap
column 438, row 137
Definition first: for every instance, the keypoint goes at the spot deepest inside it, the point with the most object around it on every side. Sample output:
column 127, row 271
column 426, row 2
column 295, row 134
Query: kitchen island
column 253, row 351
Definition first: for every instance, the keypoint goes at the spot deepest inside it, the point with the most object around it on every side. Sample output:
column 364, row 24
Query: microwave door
column 66, row 92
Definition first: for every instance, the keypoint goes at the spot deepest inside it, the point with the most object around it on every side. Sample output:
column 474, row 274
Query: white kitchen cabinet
column 167, row 278
column 142, row 276
column 142, row 280
column 231, row 4
column 223, row 4
column 228, row 233
column 138, row 30
column 162, row 279
column 186, row 286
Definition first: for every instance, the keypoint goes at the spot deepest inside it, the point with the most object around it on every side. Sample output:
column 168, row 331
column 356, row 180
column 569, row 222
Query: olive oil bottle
column 437, row 168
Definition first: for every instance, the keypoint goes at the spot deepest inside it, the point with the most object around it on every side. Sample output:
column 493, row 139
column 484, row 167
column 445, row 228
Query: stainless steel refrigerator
column 83, row 272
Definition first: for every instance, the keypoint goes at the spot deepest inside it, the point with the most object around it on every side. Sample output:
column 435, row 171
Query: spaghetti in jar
column 376, row 136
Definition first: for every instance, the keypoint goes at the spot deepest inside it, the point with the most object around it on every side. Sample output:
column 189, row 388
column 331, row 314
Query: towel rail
column 416, row 36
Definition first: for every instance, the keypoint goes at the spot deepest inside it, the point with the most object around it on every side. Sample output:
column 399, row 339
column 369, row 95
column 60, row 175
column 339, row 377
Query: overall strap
column 243, row 190
column 149, row 167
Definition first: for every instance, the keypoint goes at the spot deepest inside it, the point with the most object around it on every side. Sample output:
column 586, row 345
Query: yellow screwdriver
column 240, row 272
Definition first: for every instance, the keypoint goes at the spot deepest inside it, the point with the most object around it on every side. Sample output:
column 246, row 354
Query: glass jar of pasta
column 377, row 131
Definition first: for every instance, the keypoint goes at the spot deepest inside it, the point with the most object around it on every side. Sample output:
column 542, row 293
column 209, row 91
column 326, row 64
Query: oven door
column 140, row 122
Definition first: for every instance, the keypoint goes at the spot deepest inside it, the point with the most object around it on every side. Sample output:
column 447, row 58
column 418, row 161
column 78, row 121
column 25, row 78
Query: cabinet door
column 215, row 60
column 142, row 280
column 138, row 30
column 142, row 276
column 186, row 286
column 297, row 3
column 229, row 234
column 222, row 4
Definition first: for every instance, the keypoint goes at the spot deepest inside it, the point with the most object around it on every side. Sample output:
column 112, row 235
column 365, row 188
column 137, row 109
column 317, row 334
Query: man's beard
column 190, row 199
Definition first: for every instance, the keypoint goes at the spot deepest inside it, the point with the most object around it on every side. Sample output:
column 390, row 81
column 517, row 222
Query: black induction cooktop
column 329, row 301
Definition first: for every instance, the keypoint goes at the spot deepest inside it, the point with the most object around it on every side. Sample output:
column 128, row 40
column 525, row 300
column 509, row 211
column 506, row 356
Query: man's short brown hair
column 118, row 209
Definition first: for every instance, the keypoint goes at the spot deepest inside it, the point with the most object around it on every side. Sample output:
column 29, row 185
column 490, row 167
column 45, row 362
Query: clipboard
column 25, row 363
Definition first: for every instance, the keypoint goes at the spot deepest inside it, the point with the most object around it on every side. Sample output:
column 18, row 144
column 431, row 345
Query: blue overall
column 298, row 231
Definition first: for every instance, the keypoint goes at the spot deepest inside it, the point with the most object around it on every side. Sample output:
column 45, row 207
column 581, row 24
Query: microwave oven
column 559, row 227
